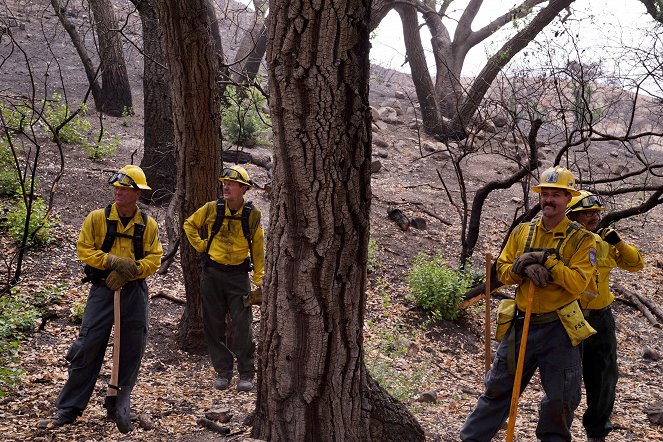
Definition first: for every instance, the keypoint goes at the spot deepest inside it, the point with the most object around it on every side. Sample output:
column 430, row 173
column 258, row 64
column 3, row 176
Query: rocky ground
column 407, row 353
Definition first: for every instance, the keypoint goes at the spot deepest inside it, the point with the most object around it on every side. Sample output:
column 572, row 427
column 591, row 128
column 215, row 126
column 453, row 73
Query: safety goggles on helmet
column 123, row 179
column 592, row 201
column 229, row 173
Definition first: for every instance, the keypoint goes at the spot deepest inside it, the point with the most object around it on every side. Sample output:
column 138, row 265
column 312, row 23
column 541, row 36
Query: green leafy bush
column 436, row 287
column 102, row 149
column 76, row 130
column 17, row 317
column 373, row 262
column 9, row 181
column 76, row 312
column 242, row 118
column 15, row 222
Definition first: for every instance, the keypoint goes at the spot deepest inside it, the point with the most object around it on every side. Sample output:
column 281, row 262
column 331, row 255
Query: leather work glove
column 253, row 298
column 125, row 266
column 115, row 280
column 538, row 274
column 609, row 235
column 526, row 259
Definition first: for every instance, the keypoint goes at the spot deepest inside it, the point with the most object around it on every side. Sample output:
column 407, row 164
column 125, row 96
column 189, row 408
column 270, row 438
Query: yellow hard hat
column 129, row 176
column 557, row 177
column 236, row 173
column 585, row 201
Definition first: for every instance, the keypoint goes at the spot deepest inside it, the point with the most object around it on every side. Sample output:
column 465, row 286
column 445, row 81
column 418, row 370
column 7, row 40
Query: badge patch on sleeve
column 592, row 256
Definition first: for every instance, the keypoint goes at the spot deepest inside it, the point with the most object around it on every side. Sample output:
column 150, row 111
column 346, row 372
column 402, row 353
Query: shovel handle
column 515, row 394
column 487, row 358
column 112, row 387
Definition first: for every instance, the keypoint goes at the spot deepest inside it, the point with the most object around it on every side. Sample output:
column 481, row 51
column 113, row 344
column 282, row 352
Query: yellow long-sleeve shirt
column 229, row 246
column 571, row 273
column 93, row 233
column 622, row 255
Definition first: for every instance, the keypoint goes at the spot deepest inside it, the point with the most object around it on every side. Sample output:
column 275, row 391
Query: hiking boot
column 221, row 383
column 60, row 418
column 245, row 385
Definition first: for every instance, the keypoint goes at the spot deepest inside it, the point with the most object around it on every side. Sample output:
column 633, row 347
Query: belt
column 588, row 313
column 539, row 318
column 243, row 267
column 128, row 285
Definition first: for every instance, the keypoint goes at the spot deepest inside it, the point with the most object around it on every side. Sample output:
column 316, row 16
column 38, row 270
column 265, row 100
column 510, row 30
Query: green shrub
column 15, row 222
column 17, row 317
column 77, row 311
column 242, row 118
column 100, row 150
column 436, row 287
column 76, row 130
column 127, row 113
column 373, row 249
column 9, row 181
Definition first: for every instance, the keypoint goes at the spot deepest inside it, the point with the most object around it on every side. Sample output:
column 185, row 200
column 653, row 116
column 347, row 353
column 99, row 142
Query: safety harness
column 94, row 275
column 542, row 318
column 246, row 230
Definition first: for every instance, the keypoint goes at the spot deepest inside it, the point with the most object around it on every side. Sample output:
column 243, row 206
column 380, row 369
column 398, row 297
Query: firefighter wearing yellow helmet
column 599, row 361
column 234, row 246
column 120, row 247
column 558, row 257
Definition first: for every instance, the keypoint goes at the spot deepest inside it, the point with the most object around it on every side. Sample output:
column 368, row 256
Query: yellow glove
column 125, row 266
column 115, row 280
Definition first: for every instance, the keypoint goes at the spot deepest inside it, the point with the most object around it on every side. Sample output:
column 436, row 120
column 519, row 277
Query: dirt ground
column 175, row 388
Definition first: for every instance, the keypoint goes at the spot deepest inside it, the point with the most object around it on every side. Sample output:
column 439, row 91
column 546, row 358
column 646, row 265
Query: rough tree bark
column 312, row 381
column 115, row 89
column 192, row 63
column 158, row 161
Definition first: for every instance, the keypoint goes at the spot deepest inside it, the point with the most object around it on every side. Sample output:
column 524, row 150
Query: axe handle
column 487, row 358
column 515, row 394
column 112, row 387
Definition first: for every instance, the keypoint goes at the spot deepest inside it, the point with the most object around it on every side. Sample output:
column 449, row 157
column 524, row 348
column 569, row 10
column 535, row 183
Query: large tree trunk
column 158, row 161
column 192, row 63
column 115, row 89
column 312, row 381
column 252, row 48
column 88, row 66
column 423, row 84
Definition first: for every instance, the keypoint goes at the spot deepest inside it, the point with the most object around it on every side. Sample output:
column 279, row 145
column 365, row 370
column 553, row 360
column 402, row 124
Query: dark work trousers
column 599, row 368
column 548, row 348
column 222, row 293
column 86, row 354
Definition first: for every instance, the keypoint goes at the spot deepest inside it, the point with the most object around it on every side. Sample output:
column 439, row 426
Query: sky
column 614, row 21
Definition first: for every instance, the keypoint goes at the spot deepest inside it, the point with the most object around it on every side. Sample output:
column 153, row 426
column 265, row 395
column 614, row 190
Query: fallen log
column 399, row 218
column 639, row 305
column 174, row 299
column 650, row 305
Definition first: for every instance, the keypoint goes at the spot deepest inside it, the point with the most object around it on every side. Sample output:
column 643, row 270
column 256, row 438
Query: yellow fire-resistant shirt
column 229, row 246
column 622, row 255
column 93, row 233
column 571, row 273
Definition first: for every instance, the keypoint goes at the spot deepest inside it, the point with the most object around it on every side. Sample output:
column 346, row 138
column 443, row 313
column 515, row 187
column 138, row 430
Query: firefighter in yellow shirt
column 234, row 247
column 120, row 247
column 559, row 257
column 599, row 352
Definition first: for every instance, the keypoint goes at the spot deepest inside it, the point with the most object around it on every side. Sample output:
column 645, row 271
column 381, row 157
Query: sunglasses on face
column 590, row 201
column 123, row 179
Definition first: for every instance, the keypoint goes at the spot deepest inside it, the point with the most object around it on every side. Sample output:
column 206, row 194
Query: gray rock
column 651, row 354
column 428, row 396
column 399, row 94
column 376, row 165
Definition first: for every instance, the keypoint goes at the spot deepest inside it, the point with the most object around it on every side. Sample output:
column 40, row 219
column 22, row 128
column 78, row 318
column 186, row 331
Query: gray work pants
column 549, row 349
column 222, row 293
column 86, row 354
